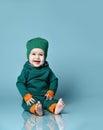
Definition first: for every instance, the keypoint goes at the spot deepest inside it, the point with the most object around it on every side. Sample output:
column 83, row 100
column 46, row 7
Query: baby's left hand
column 48, row 96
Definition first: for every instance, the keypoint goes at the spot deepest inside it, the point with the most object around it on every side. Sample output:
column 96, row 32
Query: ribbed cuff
column 52, row 107
column 27, row 96
column 50, row 92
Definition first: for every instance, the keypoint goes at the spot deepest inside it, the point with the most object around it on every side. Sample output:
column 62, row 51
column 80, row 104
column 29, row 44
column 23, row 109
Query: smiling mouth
column 37, row 62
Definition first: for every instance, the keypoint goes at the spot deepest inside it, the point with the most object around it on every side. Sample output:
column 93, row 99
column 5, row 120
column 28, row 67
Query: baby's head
column 37, row 51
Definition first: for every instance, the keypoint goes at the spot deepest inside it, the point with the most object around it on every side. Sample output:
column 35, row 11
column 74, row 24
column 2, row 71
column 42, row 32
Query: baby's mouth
column 37, row 61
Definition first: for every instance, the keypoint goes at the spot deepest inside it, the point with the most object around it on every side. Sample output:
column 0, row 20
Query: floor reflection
column 46, row 122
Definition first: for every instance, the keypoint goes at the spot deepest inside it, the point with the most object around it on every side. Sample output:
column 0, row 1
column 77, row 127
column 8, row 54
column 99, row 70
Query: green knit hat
column 37, row 43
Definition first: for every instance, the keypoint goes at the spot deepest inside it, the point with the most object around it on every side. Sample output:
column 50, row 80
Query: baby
column 37, row 83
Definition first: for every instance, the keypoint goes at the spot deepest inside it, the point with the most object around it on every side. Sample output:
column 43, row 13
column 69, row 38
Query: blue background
column 74, row 29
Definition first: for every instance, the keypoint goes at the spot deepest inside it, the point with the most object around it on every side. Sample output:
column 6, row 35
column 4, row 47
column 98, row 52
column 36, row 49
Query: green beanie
column 37, row 43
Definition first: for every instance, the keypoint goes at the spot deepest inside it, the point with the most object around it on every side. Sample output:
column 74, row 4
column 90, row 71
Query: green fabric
column 37, row 43
column 36, row 81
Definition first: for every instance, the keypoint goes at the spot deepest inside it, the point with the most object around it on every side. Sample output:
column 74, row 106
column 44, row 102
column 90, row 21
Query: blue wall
column 74, row 29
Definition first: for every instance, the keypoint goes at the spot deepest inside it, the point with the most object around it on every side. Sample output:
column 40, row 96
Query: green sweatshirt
column 36, row 81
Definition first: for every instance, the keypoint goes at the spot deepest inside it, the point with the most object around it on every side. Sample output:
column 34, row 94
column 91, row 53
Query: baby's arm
column 53, row 84
column 21, row 85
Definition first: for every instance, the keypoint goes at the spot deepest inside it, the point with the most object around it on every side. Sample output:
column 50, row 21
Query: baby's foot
column 59, row 107
column 39, row 110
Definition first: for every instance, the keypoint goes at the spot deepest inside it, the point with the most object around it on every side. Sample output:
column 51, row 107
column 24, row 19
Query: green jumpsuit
column 36, row 82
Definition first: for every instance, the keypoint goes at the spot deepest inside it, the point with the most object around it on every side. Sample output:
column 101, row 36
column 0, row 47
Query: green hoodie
column 36, row 81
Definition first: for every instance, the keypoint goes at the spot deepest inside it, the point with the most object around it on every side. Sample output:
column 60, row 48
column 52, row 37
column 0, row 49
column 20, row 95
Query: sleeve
column 53, row 84
column 21, row 85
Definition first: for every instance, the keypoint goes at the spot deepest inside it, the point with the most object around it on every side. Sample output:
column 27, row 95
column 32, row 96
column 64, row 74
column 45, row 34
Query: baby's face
column 36, row 57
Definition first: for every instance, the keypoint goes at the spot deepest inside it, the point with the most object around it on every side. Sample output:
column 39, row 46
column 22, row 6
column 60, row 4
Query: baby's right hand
column 29, row 101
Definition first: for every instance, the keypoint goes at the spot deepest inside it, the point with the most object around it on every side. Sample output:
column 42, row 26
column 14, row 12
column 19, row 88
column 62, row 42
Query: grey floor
column 82, row 114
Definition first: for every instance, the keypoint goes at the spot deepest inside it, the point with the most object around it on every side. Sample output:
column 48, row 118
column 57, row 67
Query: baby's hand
column 48, row 97
column 29, row 101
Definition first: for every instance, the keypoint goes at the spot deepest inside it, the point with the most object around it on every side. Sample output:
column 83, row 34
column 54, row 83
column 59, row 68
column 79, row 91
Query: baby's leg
column 59, row 107
column 39, row 109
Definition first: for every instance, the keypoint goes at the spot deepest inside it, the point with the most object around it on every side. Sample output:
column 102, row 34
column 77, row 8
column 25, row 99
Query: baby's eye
column 33, row 54
column 41, row 54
